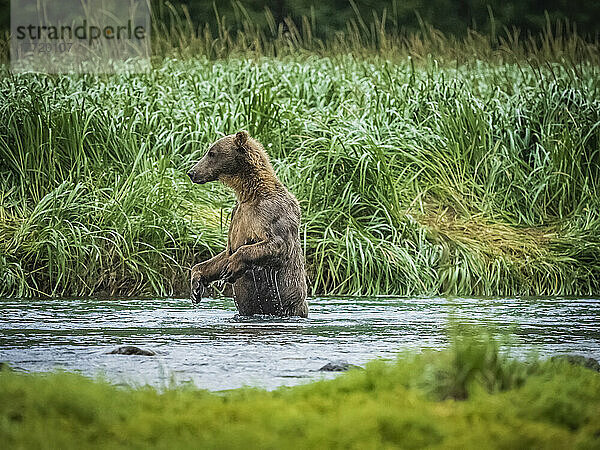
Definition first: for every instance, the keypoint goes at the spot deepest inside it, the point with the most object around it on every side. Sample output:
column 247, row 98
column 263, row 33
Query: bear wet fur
column 263, row 259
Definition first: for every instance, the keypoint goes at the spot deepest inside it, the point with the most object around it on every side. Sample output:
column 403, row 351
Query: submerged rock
column 578, row 360
column 339, row 366
column 131, row 350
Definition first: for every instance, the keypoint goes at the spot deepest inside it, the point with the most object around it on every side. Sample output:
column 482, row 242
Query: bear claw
column 198, row 292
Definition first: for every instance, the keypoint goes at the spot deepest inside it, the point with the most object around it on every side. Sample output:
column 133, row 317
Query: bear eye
column 211, row 153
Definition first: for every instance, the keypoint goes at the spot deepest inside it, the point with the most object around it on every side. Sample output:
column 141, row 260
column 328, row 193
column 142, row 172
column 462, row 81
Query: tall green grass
column 468, row 396
column 426, row 166
column 385, row 34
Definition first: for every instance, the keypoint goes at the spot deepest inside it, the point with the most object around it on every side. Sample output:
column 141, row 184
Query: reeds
column 424, row 165
column 175, row 33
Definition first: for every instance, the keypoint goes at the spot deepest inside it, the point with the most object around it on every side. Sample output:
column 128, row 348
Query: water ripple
column 215, row 349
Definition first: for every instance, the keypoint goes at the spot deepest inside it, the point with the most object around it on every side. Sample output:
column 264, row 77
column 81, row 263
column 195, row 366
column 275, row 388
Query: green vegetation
column 175, row 32
column 449, row 16
column 328, row 18
column 423, row 164
column 469, row 396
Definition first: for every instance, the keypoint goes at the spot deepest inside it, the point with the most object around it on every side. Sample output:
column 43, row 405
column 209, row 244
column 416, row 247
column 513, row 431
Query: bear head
column 230, row 156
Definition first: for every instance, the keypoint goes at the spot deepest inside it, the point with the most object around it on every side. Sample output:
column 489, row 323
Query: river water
column 207, row 345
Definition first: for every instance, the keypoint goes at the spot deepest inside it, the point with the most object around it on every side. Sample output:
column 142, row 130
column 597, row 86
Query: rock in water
column 131, row 350
column 579, row 360
column 340, row 366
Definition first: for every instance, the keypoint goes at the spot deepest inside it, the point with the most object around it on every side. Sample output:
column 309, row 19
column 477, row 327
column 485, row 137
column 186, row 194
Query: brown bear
column 263, row 259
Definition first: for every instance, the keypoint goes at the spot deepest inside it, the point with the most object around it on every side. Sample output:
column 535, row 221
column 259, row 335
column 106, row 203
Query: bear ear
column 241, row 138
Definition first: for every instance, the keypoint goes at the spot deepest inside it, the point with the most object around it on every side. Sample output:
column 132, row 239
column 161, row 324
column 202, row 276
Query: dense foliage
column 449, row 16
column 423, row 165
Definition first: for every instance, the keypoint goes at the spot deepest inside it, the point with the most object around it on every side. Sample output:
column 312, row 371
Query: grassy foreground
column 468, row 396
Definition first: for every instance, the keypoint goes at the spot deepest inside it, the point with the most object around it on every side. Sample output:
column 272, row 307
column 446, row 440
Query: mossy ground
column 468, row 396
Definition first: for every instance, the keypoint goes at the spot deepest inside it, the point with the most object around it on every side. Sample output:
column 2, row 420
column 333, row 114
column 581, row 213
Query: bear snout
column 195, row 179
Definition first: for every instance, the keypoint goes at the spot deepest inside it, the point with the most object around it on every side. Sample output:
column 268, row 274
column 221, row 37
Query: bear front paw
column 234, row 268
column 198, row 291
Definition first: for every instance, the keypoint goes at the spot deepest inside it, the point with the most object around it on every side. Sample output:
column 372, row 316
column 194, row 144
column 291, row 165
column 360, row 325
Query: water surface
column 208, row 346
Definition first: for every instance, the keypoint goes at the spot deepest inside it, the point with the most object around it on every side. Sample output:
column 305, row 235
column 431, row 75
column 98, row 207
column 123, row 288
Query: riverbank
column 469, row 396
column 416, row 176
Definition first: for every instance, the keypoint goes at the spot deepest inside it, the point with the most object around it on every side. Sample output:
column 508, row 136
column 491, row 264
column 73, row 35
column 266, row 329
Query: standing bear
column 263, row 259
